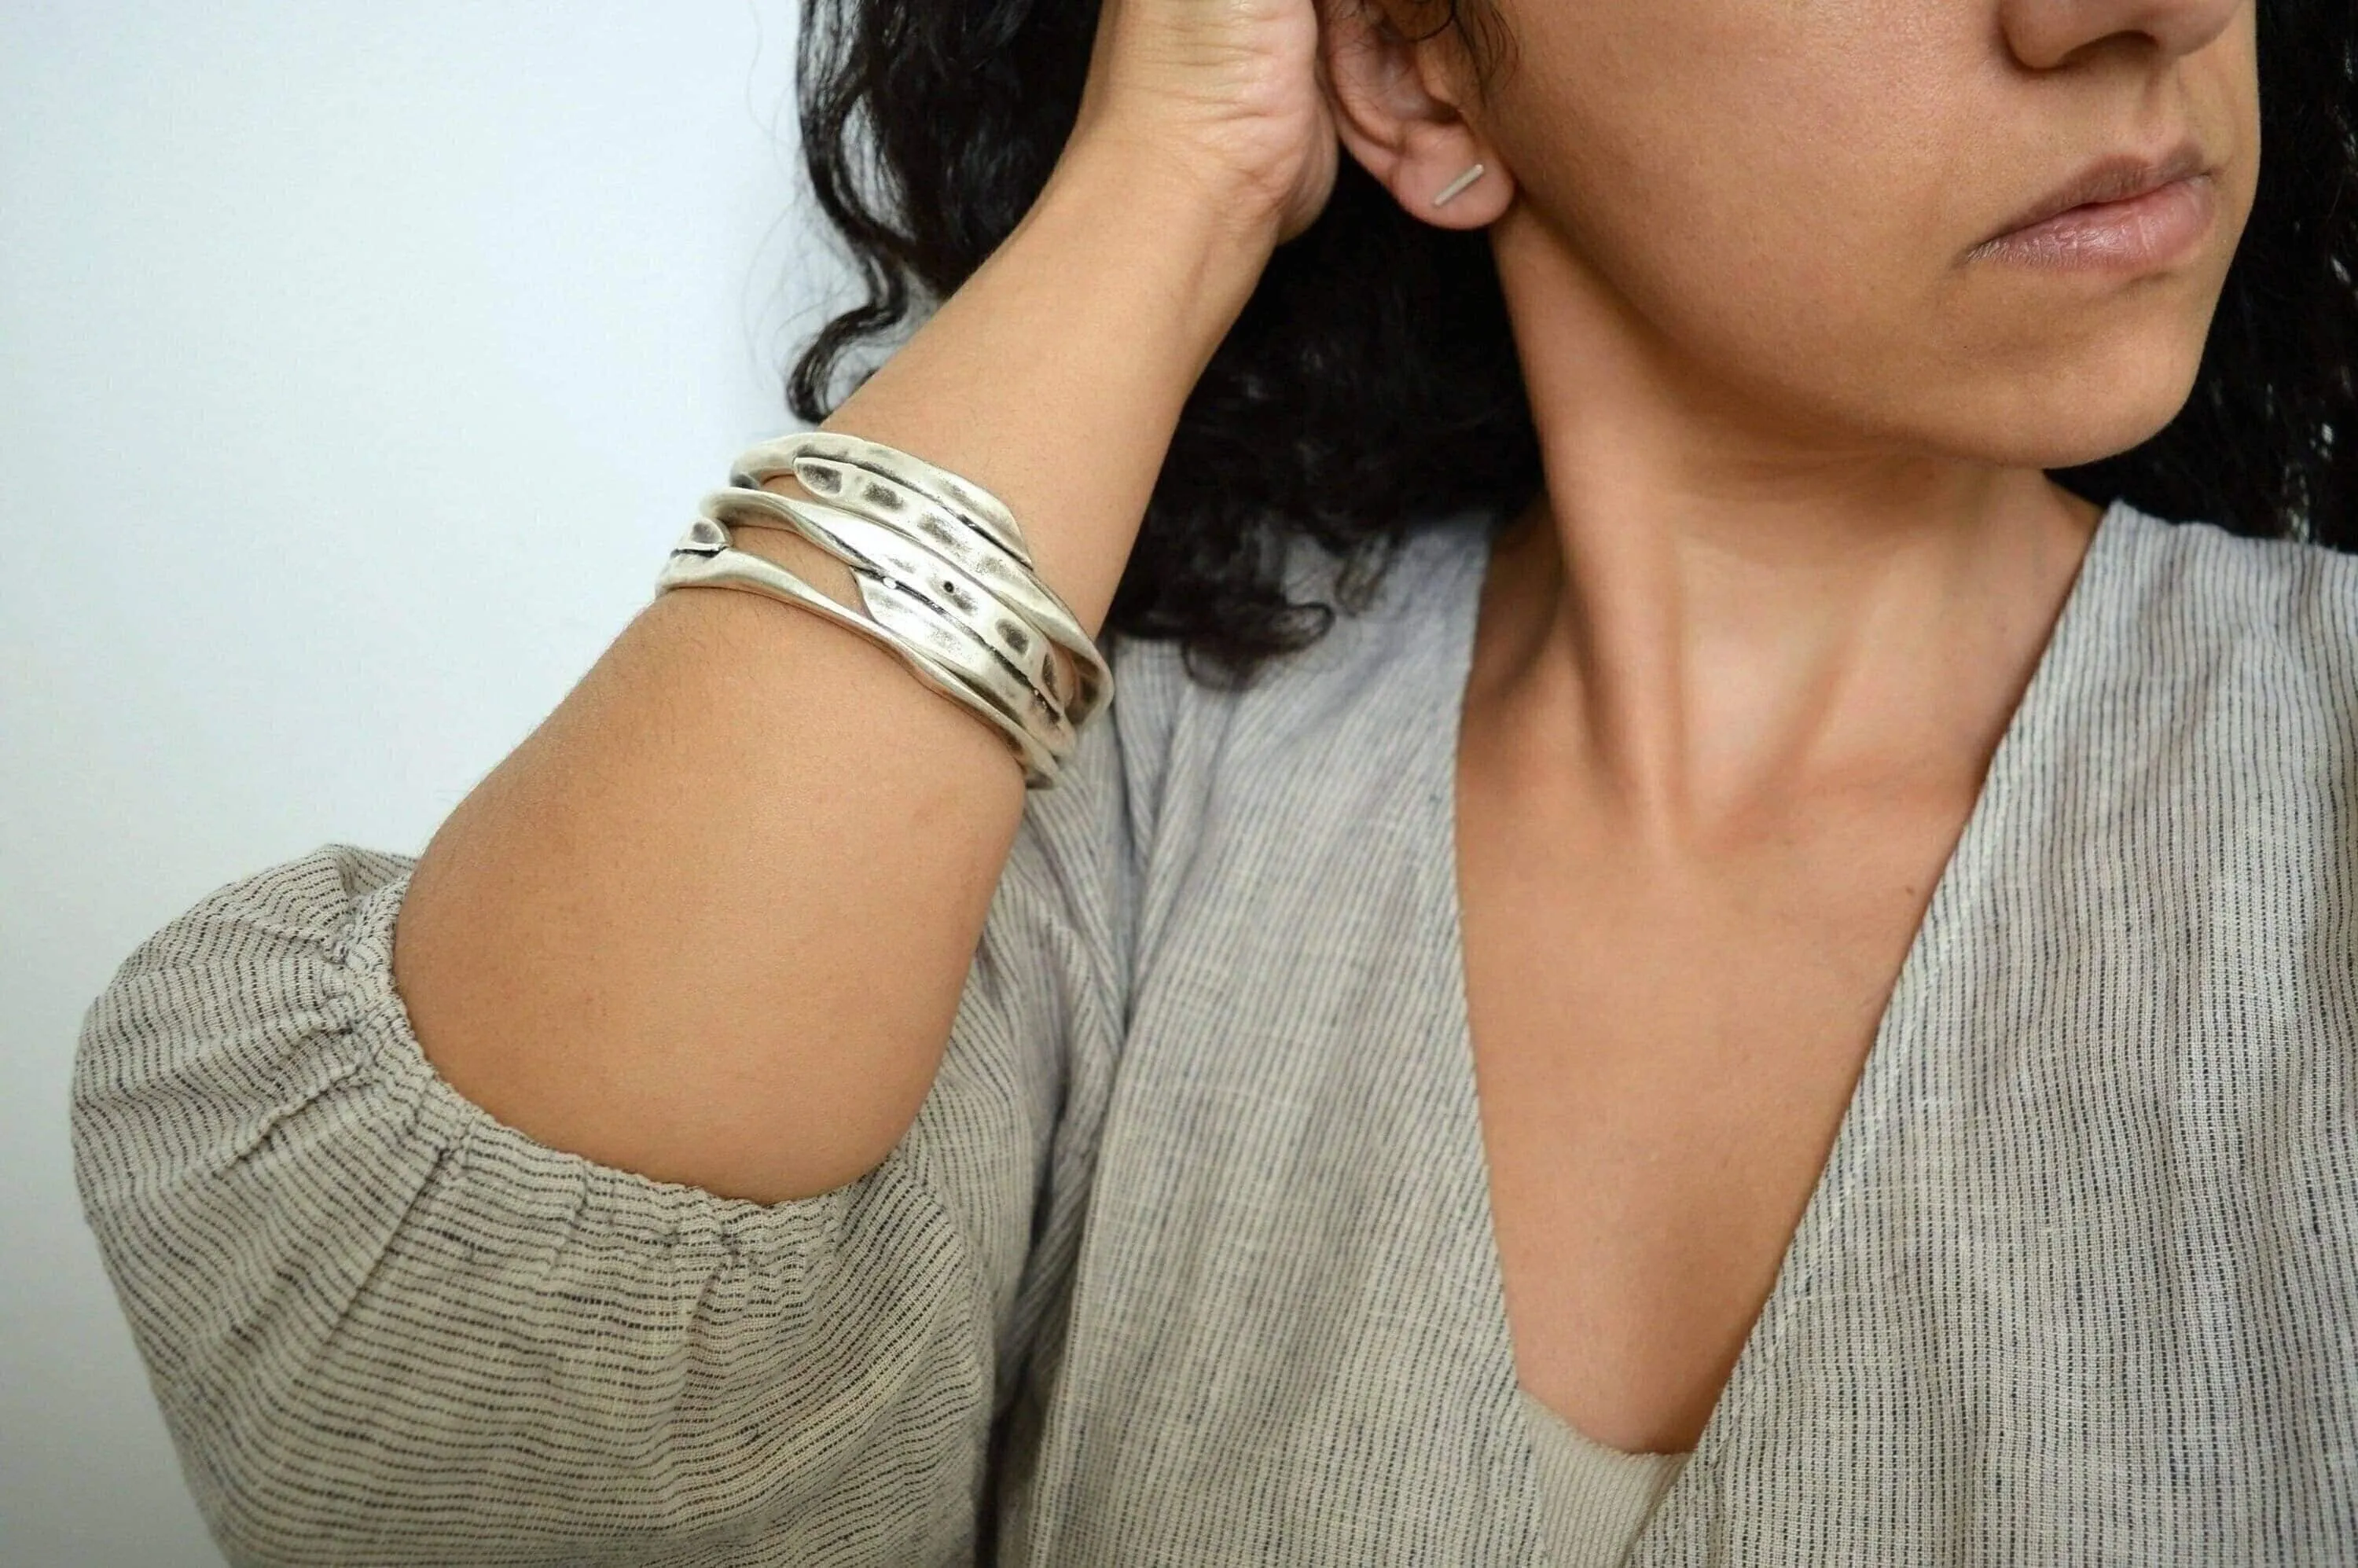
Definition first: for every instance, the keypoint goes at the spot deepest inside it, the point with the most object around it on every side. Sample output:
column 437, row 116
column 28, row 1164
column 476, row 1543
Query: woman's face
column 1792, row 194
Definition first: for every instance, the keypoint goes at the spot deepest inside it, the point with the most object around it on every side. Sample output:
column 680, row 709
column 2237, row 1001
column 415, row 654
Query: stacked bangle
column 942, row 572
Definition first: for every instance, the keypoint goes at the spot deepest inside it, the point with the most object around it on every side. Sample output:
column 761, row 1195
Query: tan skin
column 1739, row 673
column 1736, row 676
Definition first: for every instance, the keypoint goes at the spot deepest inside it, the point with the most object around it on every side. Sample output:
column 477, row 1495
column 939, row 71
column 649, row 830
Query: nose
column 2046, row 33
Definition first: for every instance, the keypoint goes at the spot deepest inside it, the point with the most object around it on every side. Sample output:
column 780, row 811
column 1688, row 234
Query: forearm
column 711, row 921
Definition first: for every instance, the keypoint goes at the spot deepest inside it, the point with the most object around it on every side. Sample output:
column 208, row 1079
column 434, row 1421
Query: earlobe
column 1390, row 118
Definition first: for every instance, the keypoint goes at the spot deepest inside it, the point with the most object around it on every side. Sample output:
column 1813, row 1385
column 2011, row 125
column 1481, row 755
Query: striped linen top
column 1187, row 1258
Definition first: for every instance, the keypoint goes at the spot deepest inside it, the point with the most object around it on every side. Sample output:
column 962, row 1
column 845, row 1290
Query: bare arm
column 711, row 921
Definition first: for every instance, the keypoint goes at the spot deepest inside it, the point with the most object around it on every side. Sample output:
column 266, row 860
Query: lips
column 2123, row 177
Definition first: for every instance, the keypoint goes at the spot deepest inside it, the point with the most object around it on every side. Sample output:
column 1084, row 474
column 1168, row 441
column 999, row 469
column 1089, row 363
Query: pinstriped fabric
column 1592, row 1500
column 385, row 1329
column 2082, row 1282
column 1188, row 1259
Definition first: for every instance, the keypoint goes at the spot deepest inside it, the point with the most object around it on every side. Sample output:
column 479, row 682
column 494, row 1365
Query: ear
column 1395, row 93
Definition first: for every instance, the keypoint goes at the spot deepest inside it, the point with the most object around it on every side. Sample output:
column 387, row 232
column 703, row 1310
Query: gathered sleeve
column 385, row 1327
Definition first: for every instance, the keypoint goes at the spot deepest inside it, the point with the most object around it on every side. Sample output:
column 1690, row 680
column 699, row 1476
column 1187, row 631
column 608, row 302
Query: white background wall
column 358, row 364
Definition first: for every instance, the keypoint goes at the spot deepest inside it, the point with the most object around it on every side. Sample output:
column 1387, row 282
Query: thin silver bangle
column 975, row 507
column 938, row 653
column 911, row 592
column 861, row 541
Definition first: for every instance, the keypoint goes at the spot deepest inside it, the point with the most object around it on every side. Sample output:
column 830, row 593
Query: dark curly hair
column 1376, row 342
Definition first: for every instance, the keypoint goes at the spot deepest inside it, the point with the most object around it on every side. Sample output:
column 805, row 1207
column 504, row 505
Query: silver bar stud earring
column 1458, row 184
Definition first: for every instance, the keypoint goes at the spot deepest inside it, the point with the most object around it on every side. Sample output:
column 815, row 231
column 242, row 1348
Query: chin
column 2095, row 404
column 2092, row 436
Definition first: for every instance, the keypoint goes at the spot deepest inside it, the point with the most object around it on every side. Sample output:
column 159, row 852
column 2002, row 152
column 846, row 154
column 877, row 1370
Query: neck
column 1718, row 608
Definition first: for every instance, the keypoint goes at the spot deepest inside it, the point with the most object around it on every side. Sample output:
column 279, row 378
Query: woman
column 1779, row 988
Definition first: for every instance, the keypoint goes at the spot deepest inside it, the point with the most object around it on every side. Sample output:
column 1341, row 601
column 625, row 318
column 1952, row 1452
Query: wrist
column 1208, row 235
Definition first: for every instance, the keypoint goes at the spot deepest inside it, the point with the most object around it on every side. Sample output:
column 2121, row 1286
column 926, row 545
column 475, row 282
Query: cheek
column 1769, row 198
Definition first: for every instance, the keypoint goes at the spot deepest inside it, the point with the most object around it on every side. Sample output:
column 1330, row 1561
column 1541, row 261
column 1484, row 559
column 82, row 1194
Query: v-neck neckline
column 1986, row 826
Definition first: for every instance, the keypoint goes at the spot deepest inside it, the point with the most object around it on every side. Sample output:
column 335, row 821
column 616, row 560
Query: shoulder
column 2192, row 592
column 2216, row 690
column 2243, row 651
column 1410, row 615
column 1320, row 736
column 1328, row 709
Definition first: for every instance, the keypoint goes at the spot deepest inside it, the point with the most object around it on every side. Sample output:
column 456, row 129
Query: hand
column 1227, row 90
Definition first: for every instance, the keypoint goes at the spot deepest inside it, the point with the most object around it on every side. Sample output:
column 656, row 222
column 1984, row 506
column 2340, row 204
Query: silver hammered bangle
column 912, row 581
column 701, row 560
column 934, row 508
column 920, row 601
column 941, row 569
